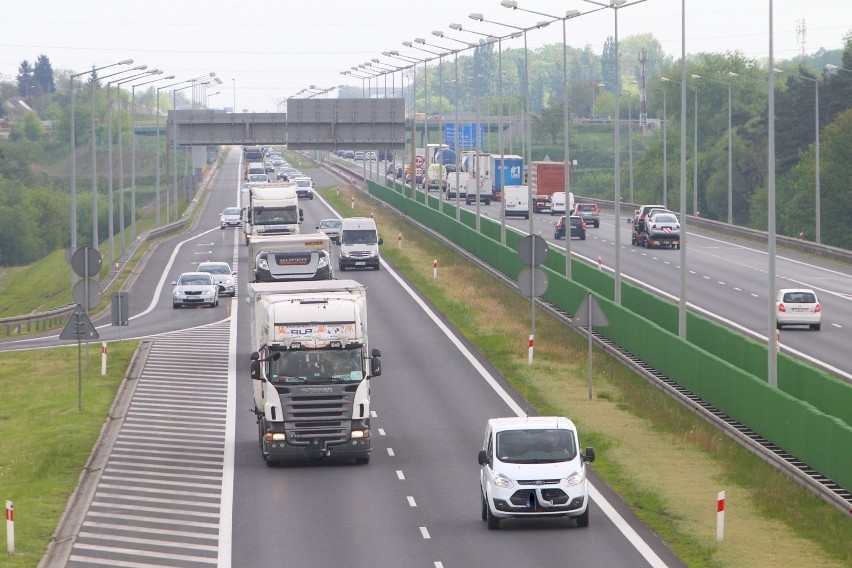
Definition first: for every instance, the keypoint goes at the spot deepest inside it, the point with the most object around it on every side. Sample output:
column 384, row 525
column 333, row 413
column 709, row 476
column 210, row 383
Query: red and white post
column 399, row 240
column 10, row 527
column 530, row 349
column 352, row 203
column 720, row 516
column 103, row 358
column 435, row 269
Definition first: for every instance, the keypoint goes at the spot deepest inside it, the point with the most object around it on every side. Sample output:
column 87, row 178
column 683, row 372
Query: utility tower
column 801, row 32
column 643, row 91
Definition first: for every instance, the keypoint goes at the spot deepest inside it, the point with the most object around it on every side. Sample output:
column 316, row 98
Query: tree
column 28, row 127
column 43, row 74
column 24, row 78
column 608, row 65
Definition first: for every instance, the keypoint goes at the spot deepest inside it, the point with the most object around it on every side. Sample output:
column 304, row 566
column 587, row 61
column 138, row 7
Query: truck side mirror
column 381, row 241
column 375, row 366
column 255, row 370
column 301, row 215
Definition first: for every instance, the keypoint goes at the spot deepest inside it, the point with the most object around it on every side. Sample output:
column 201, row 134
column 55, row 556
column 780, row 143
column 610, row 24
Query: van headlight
column 262, row 263
column 323, row 261
column 501, row 480
column 576, row 478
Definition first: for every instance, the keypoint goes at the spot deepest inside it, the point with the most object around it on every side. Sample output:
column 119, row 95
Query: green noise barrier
column 809, row 415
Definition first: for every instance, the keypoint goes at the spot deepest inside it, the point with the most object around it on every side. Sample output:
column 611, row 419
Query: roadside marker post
column 10, row 527
column 435, row 269
column 103, row 358
column 720, row 516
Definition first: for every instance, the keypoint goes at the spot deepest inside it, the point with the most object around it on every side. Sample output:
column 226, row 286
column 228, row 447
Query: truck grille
column 317, row 419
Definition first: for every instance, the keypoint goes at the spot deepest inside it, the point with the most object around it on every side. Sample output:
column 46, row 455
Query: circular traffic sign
column 533, row 250
column 88, row 293
column 86, row 262
column 418, row 171
column 418, row 161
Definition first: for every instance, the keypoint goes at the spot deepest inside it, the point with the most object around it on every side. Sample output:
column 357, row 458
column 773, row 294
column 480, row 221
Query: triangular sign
column 582, row 315
column 79, row 326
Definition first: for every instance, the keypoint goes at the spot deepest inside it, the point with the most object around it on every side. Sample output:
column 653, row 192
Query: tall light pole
column 133, row 149
column 408, row 59
column 730, row 146
column 111, row 220
column 192, row 84
column 440, row 54
column 664, row 124
column 694, row 150
column 772, row 350
column 816, row 148
column 457, row 126
column 566, row 115
column 74, row 155
column 617, row 5
column 159, row 158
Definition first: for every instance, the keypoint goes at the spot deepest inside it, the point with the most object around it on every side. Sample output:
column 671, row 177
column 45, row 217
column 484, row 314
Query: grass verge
column 667, row 464
column 45, row 439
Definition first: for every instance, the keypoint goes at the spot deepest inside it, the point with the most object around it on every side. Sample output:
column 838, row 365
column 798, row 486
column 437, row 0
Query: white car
column 798, row 306
column 230, row 217
column 222, row 275
column 195, row 289
column 532, row 467
column 304, row 187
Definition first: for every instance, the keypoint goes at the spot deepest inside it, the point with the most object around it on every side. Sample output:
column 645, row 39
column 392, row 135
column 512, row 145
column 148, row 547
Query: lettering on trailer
column 331, row 330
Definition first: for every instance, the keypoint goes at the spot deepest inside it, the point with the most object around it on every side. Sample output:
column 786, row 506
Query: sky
column 265, row 52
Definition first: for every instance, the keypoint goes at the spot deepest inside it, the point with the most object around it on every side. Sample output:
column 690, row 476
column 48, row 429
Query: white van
column 359, row 244
column 559, row 205
column 517, row 201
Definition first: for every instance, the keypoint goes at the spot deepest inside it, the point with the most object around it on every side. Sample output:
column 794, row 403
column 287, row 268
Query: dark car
column 578, row 228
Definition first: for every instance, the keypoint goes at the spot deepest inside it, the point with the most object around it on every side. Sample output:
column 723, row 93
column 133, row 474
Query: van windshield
column 536, row 446
column 359, row 237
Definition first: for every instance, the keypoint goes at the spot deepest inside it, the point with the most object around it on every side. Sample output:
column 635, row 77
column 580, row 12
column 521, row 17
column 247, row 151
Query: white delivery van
column 559, row 204
column 359, row 244
column 517, row 201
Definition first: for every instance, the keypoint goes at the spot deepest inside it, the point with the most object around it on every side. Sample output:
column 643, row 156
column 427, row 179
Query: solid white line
column 599, row 499
column 227, row 511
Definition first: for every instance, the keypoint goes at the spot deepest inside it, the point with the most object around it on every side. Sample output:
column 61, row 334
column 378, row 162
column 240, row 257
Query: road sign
column 79, row 326
column 530, row 244
column 590, row 313
column 532, row 279
column 120, row 308
column 88, row 293
column 419, row 172
column 86, row 262
column 419, row 161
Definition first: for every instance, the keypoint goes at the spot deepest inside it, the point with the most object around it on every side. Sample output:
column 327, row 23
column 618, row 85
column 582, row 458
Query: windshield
column 195, row 280
column 359, row 237
column 272, row 216
column 258, row 177
column 303, row 182
column 231, row 211
column 330, row 224
column 215, row 268
column 536, row 446
column 318, row 366
column 664, row 219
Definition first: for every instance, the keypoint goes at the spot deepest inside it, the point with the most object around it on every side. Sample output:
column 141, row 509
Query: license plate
column 360, row 263
column 800, row 309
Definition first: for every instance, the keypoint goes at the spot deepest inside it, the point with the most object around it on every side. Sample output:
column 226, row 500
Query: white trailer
column 271, row 209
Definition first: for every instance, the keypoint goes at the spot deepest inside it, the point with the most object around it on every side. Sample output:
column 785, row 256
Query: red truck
column 546, row 178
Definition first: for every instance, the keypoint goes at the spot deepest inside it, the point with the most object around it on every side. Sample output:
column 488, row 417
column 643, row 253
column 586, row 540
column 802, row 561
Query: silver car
column 194, row 289
column 331, row 227
column 222, row 275
column 230, row 217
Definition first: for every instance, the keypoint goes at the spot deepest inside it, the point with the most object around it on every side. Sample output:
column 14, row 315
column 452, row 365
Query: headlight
column 275, row 436
column 178, row 293
column 262, row 264
column 575, row 478
column 229, row 281
column 323, row 262
column 501, row 480
column 360, row 434
column 221, row 218
column 344, row 254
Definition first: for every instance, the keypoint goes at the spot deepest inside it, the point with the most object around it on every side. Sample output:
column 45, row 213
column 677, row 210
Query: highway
column 185, row 484
column 727, row 280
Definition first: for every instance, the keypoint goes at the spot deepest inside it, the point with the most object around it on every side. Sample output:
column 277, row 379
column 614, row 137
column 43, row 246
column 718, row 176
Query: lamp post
column 413, row 60
column 664, row 124
column 158, row 156
column 456, row 127
column 817, row 228
column 133, row 149
column 192, row 85
column 730, row 146
column 110, row 222
column 74, row 155
column 615, row 6
column 513, row 4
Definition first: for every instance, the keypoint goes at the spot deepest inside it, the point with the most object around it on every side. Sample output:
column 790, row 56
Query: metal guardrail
column 42, row 321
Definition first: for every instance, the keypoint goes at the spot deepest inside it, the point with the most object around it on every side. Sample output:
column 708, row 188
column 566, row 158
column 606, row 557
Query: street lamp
column 730, row 144
column 816, row 145
column 615, row 6
column 694, row 148
column 133, row 149
column 630, row 138
column 74, row 155
column 513, row 4
column 168, row 217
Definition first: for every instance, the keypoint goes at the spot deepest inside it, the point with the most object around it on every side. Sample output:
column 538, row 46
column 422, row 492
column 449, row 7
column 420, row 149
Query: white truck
column 311, row 368
column 270, row 209
column 276, row 258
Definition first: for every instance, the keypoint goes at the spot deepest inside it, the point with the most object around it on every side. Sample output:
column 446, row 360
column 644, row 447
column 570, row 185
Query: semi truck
column 546, row 178
column 270, row 209
column 276, row 258
column 311, row 367
column 510, row 174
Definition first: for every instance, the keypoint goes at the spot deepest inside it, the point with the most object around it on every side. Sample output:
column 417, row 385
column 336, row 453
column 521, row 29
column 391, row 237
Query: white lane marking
column 753, row 295
column 637, row 542
column 381, row 431
column 399, row 474
column 439, row 565
column 390, row 452
column 722, row 283
column 425, row 533
column 373, row 414
column 411, row 502
column 836, row 325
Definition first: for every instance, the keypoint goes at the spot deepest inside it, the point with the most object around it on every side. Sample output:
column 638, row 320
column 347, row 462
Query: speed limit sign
column 418, row 172
column 418, row 161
